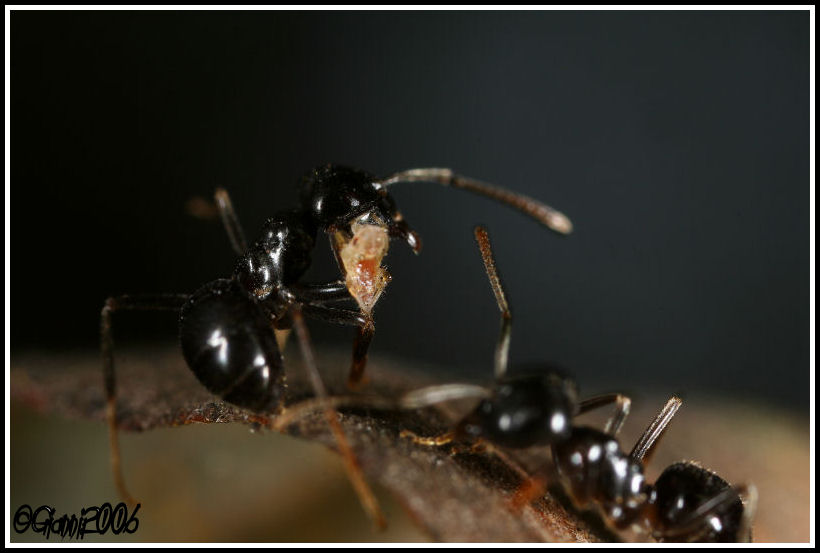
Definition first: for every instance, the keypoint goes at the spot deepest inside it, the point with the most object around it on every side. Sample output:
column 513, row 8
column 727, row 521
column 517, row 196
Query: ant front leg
column 360, row 346
column 616, row 420
column 319, row 294
column 432, row 395
column 366, row 329
column 162, row 302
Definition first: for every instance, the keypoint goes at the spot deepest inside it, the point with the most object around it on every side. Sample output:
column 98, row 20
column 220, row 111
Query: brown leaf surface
column 457, row 498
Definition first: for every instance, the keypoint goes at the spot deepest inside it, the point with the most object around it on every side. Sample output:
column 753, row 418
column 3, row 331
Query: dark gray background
column 677, row 142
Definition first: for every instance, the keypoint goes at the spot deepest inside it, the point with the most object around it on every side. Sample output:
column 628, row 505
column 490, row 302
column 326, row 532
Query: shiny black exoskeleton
column 524, row 410
column 334, row 195
column 228, row 343
column 537, row 408
column 684, row 487
column 686, row 504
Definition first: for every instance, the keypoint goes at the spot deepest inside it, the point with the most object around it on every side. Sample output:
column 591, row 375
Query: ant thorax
column 360, row 253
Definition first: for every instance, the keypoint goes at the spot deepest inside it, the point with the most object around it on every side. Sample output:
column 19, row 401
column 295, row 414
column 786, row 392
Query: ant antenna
column 230, row 220
column 431, row 395
column 541, row 212
column 416, row 399
column 354, row 471
column 646, row 443
column 502, row 348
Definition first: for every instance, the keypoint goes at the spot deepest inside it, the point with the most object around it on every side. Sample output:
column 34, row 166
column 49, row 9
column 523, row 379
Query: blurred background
column 677, row 142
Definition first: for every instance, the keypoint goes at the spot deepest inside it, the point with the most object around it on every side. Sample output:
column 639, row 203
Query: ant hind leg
column 161, row 302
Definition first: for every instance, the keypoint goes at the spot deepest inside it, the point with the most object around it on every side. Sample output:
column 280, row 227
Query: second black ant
column 686, row 503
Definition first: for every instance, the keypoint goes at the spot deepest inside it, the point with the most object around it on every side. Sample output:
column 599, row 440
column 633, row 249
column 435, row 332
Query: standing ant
column 536, row 408
column 226, row 327
column 360, row 217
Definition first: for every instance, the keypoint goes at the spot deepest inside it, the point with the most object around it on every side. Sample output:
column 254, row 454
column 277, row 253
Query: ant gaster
column 226, row 327
column 536, row 408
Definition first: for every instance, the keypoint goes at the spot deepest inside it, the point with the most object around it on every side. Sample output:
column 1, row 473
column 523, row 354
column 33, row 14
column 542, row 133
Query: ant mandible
column 536, row 408
column 226, row 327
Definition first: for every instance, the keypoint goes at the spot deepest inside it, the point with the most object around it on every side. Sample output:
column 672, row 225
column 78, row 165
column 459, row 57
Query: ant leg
column 544, row 214
column 352, row 467
column 432, row 395
column 334, row 315
column 748, row 495
column 360, row 346
column 320, row 293
column 423, row 397
column 532, row 487
column 231, row 221
column 502, row 347
column 433, row 441
column 361, row 343
column 616, row 420
column 162, row 302
column 317, row 294
column 363, row 337
column 649, row 439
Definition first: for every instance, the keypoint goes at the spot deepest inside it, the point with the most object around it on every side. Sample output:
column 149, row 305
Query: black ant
column 536, row 408
column 360, row 217
column 227, row 326
column 686, row 503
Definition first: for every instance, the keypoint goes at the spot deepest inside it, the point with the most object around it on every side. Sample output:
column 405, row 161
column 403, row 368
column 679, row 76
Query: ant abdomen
column 524, row 411
column 682, row 491
column 229, row 344
column 597, row 472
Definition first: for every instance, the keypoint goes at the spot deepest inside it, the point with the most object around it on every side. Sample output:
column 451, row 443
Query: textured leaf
column 463, row 497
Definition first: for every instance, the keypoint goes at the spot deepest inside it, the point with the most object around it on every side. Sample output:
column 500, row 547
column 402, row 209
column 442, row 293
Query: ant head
column 524, row 410
column 680, row 498
column 335, row 196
